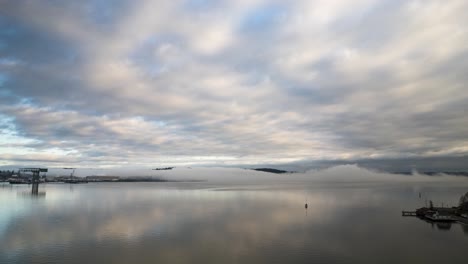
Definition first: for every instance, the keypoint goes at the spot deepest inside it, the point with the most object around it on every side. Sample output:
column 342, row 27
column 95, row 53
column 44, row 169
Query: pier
column 408, row 213
column 35, row 178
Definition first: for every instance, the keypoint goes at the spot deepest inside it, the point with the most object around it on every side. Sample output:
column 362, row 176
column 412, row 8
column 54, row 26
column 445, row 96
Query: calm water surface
column 226, row 223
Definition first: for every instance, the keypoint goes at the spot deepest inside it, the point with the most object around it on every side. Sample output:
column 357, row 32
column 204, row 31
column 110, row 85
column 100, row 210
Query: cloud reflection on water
column 222, row 222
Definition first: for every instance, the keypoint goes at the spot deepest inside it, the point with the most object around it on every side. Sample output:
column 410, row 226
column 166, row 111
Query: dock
column 408, row 213
column 461, row 220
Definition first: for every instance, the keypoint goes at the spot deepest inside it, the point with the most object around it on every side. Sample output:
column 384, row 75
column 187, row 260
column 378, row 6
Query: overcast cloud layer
column 105, row 83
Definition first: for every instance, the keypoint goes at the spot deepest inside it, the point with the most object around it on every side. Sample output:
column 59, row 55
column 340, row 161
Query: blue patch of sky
column 201, row 5
column 9, row 61
column 7, row 30
column 3, row 80
column 9, row 133
column 144, row 55
column 105, row 13
column 7, row 97
column 27, row 102
column 160, row 123
column 263, row 18
column 95, row 153
column 24, row 42
column 7, row 122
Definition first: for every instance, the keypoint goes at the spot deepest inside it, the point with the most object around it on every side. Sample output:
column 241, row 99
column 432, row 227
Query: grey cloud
column 384, row 81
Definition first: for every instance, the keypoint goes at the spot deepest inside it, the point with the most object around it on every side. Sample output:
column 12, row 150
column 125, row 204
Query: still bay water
column 203, row 222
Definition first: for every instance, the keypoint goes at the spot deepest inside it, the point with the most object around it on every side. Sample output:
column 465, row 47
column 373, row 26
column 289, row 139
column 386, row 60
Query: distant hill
column 166, row 168
column 270, row 170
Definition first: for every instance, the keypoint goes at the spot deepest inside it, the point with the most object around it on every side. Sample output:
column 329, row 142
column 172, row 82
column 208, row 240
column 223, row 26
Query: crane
column 35, row 171
column 76, row 179
column 72, row 173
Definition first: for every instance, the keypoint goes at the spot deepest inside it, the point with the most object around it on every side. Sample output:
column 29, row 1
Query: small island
column 270, row 170
column 165, row 168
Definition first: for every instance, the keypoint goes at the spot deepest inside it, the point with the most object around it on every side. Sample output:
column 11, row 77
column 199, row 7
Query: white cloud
column 330, row 80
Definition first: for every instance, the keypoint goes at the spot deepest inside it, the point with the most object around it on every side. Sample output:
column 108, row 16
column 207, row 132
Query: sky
column 101, row 83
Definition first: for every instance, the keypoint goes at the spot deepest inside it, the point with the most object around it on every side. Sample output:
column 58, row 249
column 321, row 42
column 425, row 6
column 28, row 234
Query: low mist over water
column 234, row 216
column 342, row 173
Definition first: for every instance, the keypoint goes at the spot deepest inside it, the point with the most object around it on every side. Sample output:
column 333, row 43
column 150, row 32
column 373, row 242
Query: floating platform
column 408, row 213
column 439, row 218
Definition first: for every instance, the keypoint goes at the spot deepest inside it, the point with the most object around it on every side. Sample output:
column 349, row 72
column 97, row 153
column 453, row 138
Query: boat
column 18, row 181
column 75, row 181
column 438, row 216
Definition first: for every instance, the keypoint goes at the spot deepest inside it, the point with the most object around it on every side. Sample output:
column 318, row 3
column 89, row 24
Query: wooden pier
column 408, row 213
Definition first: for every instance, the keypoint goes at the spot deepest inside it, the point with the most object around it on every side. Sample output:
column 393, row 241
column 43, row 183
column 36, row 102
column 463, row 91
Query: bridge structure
column 36, row 177
column 35, row 171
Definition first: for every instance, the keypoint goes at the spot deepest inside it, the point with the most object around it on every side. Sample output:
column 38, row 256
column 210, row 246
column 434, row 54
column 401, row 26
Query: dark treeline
column 270, row 170
column 5, row 174
column 166, row 168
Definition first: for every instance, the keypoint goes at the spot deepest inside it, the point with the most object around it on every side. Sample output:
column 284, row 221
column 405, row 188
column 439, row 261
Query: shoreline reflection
column 150, row 223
